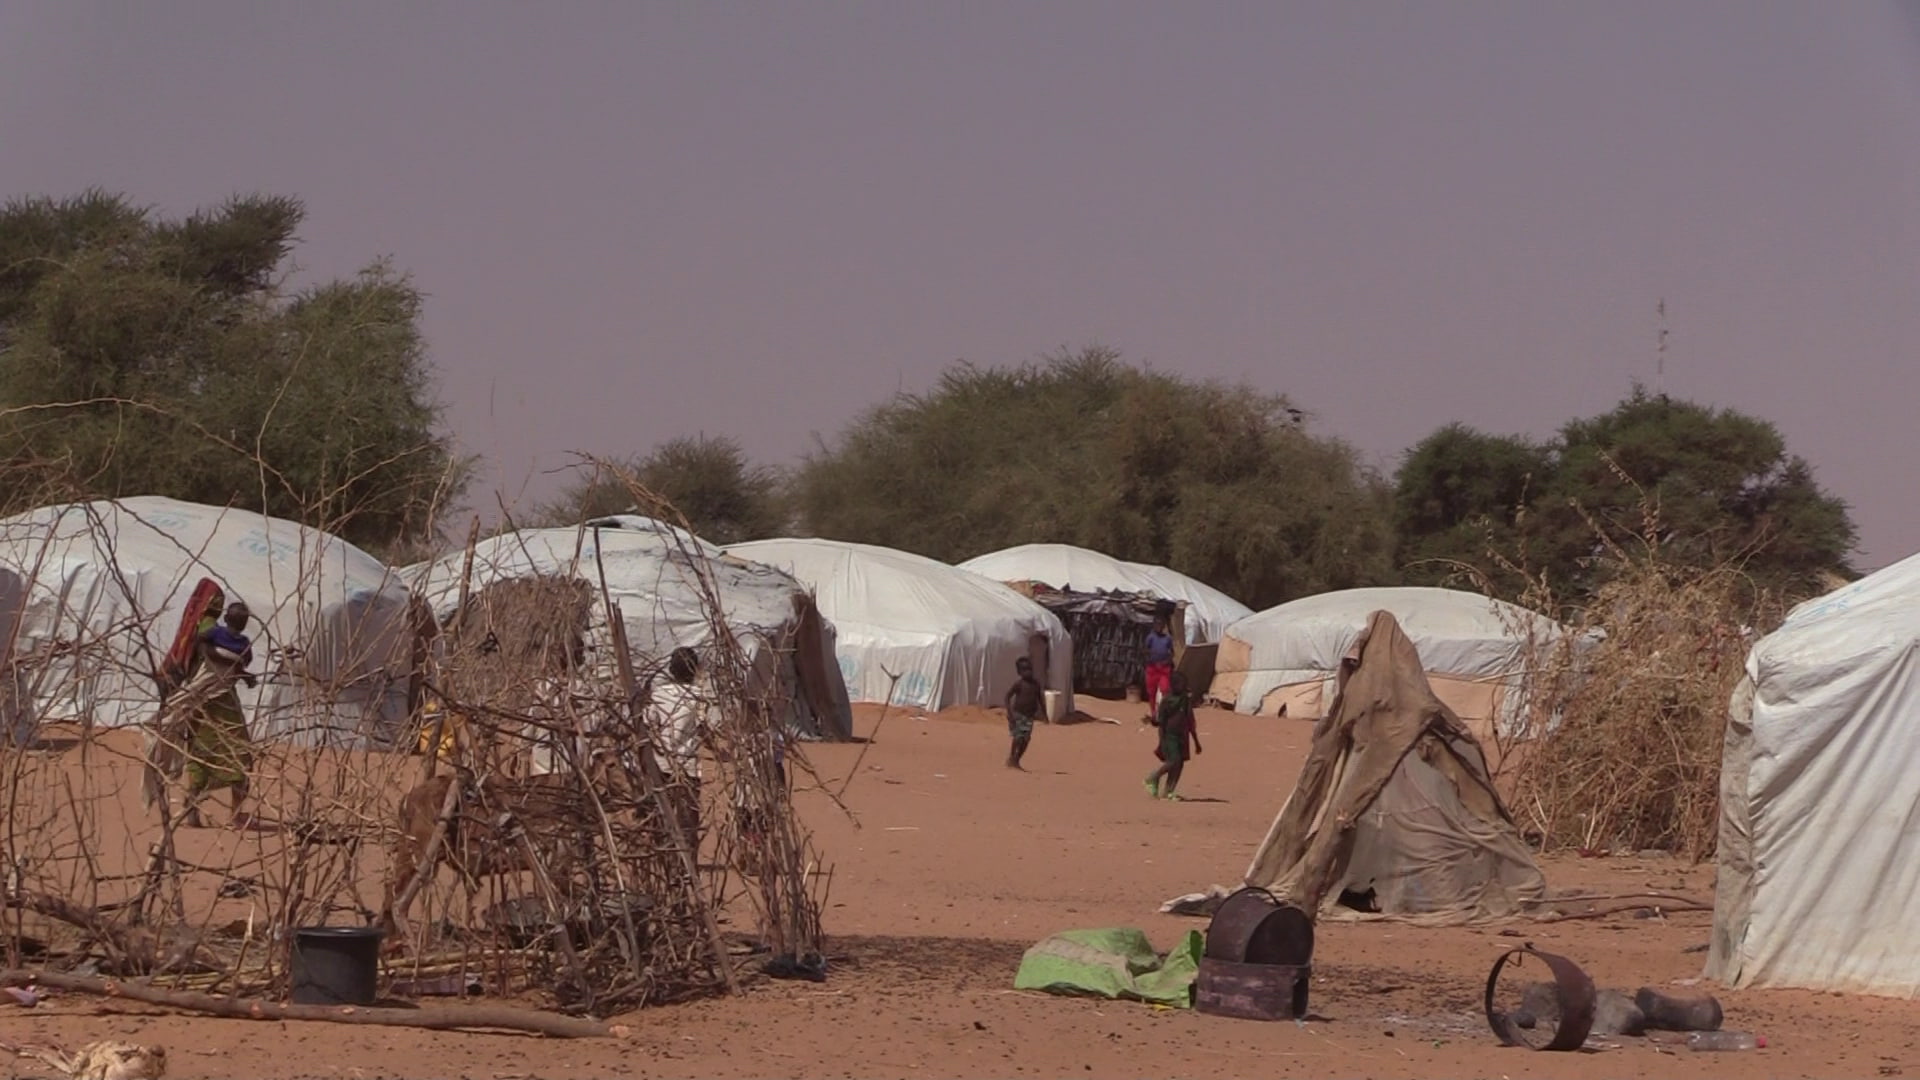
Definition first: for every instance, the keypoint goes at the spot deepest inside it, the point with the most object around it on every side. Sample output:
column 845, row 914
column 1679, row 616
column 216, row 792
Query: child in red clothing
column 1159, row 663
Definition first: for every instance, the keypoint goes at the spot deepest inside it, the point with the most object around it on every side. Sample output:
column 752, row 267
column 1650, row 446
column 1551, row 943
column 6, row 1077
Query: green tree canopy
column 1460, row 492
column 1219, row 482
column 146, row 356
column 725, row 497
column 1711, row 487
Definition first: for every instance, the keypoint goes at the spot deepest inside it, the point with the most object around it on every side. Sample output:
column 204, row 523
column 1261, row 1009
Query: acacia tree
column 142, row 355
column 1219, row 482
column 725, row 497
column 1461, row 493
column 1714, row 486
column 1723, row 485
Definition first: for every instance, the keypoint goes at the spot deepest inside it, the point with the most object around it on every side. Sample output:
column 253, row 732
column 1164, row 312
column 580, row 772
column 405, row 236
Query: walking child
column 1024, row 702
column 1177, row 728
column 1159, row 666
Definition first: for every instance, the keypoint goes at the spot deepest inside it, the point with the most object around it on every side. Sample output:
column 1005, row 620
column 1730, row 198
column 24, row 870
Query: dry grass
column 1618, row 745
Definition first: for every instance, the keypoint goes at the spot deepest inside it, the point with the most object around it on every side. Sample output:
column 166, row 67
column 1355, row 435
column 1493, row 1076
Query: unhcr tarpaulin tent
column 655, row 573
column 1395, row 800
column 106, row 583
column 1063, row 566
column 951, row 636
column 1818, row 852
column 1477, row 651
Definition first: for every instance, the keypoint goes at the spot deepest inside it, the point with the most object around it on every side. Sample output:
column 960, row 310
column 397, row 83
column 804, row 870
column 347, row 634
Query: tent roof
column 1878, row 612
column 1063, row 566
column 100, row 564
column 1459, row 633
column 650, row 572
column 642, row 524
column 949, row 636
column 883, row 588
column 253, row 556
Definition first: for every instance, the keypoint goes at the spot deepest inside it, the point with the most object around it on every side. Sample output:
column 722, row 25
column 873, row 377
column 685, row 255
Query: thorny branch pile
column 521, row 824
column 1618, row 744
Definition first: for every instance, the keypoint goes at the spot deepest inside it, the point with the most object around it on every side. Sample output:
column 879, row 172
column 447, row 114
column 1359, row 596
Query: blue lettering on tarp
column 915, row 689
column 163, row 521
column 1838, row 601
column 849, row 671
column 258, row 542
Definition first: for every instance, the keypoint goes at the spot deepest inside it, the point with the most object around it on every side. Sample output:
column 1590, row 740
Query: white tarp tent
column 651, row 574
column 1818, row 855
column 1063, row 566
column 106, row 584
column 950, row 635
column 1475, row 650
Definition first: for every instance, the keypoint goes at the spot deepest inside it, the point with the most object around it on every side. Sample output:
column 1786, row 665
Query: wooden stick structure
column 432, row 1018
column 550, row 856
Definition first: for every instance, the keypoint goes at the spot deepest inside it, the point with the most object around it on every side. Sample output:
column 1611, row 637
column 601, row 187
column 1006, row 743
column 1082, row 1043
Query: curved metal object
column 1576, row 996
column 1252, row 926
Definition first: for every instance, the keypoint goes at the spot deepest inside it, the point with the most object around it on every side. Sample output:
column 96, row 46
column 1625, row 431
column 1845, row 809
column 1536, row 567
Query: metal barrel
column 1253, row 927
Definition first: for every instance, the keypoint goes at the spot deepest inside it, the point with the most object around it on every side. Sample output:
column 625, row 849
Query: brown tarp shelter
column 1395, row 798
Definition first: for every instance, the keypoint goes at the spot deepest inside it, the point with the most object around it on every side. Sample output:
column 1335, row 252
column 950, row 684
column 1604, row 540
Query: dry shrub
column 1623, row 748
column 1618, row 744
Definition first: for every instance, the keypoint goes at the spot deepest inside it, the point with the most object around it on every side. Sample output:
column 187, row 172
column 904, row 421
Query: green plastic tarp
column 1113, row 963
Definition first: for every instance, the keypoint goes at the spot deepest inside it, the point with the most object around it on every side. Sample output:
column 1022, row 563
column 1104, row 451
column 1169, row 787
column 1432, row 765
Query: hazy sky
column 644, row 220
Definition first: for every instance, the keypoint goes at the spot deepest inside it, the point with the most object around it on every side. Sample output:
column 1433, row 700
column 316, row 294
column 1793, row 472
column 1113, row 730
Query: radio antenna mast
column 1660, row 349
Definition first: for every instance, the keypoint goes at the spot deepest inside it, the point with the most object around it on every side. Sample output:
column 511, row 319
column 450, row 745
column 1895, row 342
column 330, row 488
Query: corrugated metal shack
column 1109, row 631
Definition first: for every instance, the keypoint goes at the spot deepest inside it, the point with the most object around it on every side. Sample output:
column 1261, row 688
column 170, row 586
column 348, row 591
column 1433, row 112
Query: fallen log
column 432, row 1018
column 1601, row 913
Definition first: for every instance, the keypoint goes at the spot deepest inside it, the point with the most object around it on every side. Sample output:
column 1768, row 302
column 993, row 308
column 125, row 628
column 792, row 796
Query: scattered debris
column 1199, row 903
column 104, row 1060
column 1665, row 1013
column 811, row 967
column 1574, row 1004
column 1580, row 1013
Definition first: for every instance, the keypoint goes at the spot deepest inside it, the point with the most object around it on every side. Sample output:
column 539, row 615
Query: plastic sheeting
column 1063, row 566
column 1118, row 964
column 1429, row 836
column 1819, row 855
column 951, row 636
column 1466, row 637
column 106, row 583
column 651, row 574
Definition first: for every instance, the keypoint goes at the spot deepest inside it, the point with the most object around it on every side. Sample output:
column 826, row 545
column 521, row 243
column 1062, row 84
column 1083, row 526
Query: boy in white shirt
column 679, row 716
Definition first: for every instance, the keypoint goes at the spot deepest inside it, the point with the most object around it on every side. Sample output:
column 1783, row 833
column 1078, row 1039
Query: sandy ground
column 951, row 866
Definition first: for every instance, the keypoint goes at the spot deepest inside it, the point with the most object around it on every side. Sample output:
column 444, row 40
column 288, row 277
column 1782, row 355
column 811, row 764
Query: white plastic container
column 1056, row 705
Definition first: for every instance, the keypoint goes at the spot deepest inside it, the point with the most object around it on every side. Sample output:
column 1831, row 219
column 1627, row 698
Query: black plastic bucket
column 336, row 965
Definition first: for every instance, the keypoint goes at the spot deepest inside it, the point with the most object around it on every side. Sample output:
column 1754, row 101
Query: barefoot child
column 1024, row 702
column 1176, row 723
